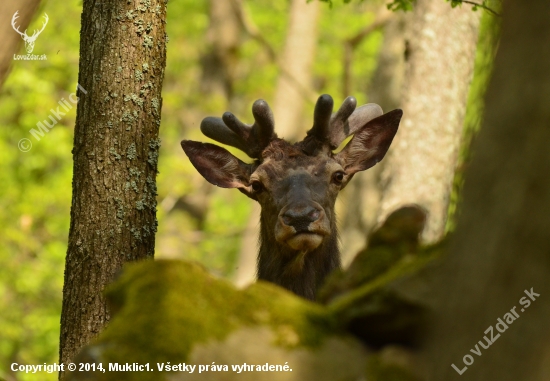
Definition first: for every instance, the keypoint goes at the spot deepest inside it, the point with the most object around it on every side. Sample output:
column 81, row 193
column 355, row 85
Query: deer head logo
column 29, row 40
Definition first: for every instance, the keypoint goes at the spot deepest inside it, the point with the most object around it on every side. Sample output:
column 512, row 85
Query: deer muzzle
column 302, row 226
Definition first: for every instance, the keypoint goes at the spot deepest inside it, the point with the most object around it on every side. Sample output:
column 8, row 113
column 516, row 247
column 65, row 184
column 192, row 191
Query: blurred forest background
column 219, row 59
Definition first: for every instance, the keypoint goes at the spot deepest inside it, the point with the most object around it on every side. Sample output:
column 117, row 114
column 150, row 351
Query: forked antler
column 250, row 139
column 328, row 129
column 332, row 129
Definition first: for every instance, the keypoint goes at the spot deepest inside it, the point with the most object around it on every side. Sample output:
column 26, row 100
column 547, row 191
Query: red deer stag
column 295, row 184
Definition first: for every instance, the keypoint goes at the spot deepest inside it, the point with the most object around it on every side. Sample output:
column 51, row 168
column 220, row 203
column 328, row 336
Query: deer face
column 295, row 184
column 297, row 193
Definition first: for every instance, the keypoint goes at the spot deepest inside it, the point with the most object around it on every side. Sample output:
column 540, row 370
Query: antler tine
column 264, row 124
column 216, row 129
column 333, row 130
column 348, row 120
column 339, row 127
column 250, row 139
column 321, row 118
column 318, row 135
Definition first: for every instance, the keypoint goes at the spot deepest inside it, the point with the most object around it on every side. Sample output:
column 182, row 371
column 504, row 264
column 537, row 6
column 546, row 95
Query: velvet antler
column 332, row 129
column 329, row 130
column 251, row 139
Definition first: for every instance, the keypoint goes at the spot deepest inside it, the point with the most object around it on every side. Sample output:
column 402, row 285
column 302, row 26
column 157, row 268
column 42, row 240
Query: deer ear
column 370, row 143
column 217, row 165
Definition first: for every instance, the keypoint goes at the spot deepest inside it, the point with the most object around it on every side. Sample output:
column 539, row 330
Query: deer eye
column 257, row 186
column 338, row 177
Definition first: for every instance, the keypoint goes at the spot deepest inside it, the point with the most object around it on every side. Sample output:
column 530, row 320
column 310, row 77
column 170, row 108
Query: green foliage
column 407, row 5
column 488, row 5
column 35, row 194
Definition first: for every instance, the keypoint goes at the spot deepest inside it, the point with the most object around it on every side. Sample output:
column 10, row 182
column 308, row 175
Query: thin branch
column 482, row 6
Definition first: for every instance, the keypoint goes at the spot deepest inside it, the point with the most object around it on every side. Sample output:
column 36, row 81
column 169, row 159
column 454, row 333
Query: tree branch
column 482, row 6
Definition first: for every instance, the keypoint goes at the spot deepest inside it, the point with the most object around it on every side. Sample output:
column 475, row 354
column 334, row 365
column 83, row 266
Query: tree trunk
column 11, row 41
column 223, row 36
column 116, row 145
column 501, row 245
column 297, row 62
column 420, row 165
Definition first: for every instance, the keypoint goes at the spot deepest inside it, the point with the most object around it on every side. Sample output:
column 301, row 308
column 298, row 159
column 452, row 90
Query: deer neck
column 299, row 272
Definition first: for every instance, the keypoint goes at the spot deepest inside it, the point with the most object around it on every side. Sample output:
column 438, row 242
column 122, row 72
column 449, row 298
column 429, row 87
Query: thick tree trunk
column 116, row 145
column 420, row 165
column 501, row 246
column 11, row 41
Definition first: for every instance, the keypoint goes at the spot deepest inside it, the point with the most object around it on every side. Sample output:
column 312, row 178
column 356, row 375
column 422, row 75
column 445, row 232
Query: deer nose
column 300, row 218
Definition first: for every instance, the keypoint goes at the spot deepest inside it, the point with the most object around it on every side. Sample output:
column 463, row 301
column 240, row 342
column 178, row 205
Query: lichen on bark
column 113, row 214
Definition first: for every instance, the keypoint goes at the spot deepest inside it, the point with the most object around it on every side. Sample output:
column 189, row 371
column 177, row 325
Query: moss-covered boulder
column 174, row 321
column 367, row 299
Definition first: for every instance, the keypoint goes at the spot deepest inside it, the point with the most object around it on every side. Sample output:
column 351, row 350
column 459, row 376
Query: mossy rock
column 175, row 312
column 366, row 298
column 397, row 238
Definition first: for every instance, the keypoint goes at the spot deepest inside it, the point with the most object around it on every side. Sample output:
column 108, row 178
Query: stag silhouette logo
column 29, row 40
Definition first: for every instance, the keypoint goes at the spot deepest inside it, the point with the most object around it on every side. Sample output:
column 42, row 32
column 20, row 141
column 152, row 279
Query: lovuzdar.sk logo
column 29, row 40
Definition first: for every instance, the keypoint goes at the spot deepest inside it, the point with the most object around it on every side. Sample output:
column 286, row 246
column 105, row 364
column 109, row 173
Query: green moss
column 406, row 266
column 394, row 244
column 209, row 308
column 163, row 309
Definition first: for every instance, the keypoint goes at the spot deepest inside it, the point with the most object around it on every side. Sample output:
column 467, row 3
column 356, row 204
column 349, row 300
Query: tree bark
column 11, row 41
column 420, row 165
column 116, row 145
column 501, row 246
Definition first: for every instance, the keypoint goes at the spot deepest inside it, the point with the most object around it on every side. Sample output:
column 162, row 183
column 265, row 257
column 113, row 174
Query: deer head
column 29, row 40
column 295, row 184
